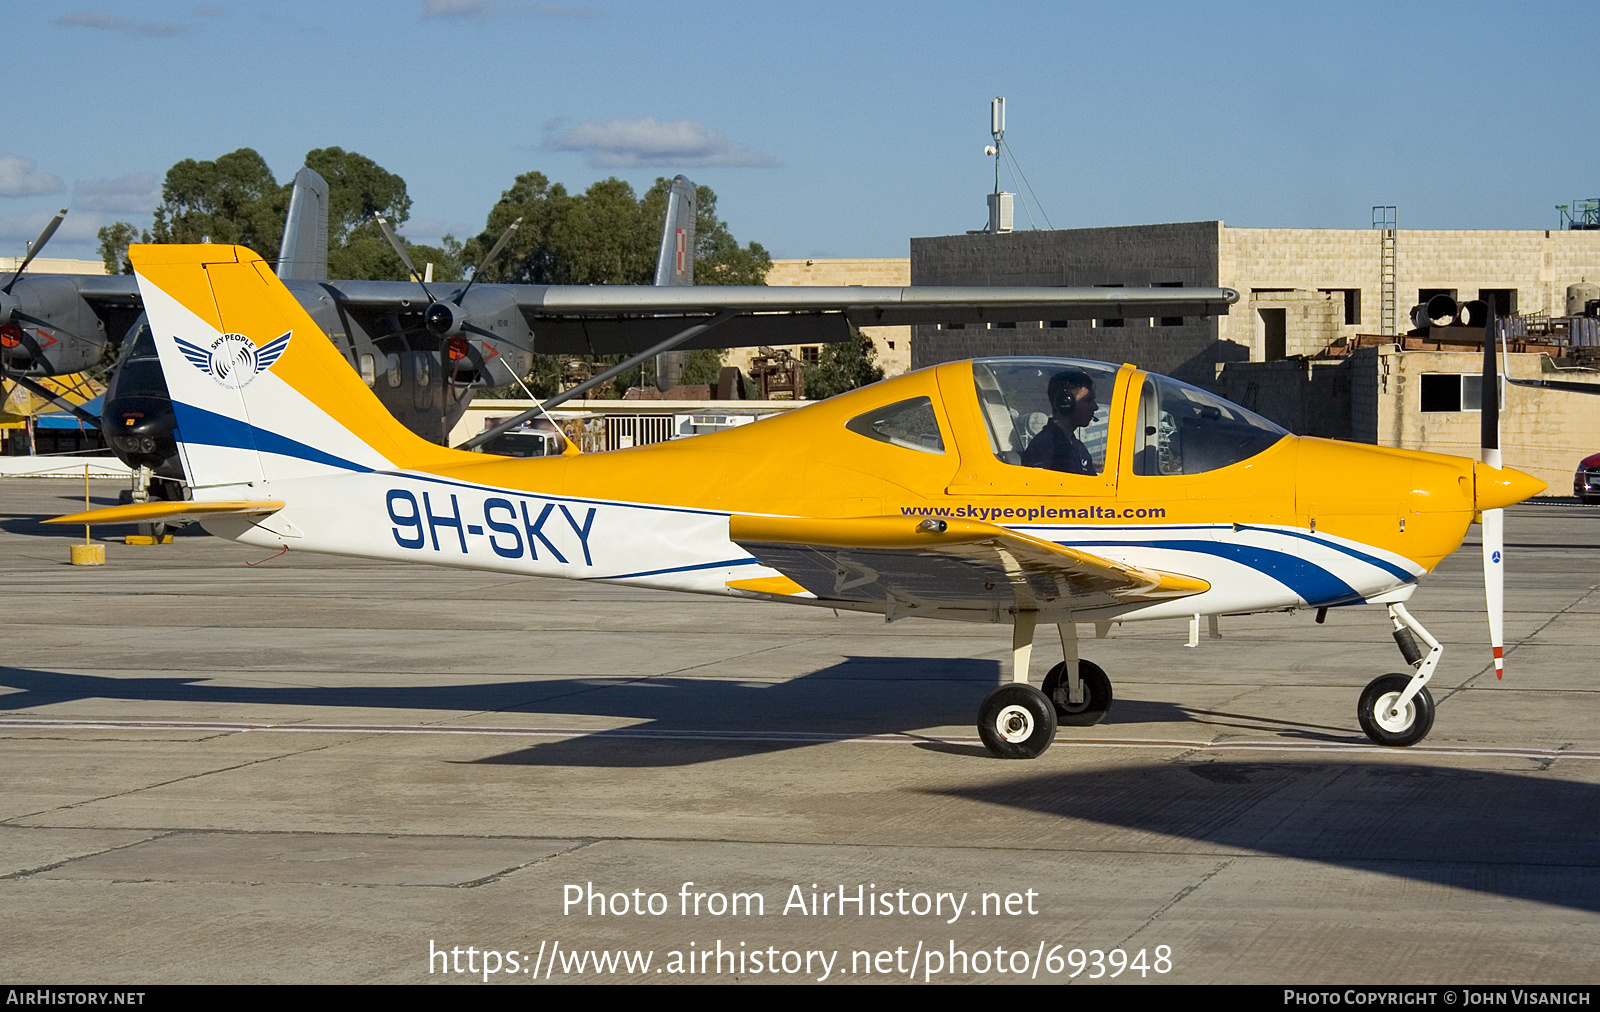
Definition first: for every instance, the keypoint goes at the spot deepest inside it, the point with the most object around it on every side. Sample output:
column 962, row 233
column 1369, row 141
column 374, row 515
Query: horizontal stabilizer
column 172, row 512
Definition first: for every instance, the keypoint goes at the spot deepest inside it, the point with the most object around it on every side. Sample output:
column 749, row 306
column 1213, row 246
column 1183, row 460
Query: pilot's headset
column 1062, row 387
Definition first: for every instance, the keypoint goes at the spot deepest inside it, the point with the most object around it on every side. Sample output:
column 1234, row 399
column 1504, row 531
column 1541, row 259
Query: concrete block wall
column 1132, row 256
column 1540, row 264
column 1542, row 432
column 1309, row 398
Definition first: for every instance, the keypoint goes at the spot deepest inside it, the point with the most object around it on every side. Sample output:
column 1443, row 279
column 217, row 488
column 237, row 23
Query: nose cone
column 1498, row 488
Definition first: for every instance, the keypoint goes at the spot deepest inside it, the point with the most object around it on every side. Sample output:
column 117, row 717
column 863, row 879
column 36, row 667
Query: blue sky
column 826, row 129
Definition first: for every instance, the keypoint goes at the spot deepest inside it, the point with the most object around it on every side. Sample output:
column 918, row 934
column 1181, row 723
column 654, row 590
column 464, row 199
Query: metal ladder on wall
column 1384, row 221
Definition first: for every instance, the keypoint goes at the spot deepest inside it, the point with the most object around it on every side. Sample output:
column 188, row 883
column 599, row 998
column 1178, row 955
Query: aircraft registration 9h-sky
column 1007, row 490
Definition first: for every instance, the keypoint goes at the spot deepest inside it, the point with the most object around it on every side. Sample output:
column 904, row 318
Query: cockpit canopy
column 1055, row 413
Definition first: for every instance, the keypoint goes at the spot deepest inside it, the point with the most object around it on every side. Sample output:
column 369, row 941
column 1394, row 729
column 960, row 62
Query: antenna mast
column 997, row 130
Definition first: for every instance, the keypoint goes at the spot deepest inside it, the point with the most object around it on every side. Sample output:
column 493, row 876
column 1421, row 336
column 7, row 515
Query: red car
column 1586, row 483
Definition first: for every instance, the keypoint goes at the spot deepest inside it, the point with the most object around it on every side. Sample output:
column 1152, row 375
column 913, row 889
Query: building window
column 1505, row 300
column 1455, row 392
column 811, row 354
column 1424, row 294
column 1352, row 303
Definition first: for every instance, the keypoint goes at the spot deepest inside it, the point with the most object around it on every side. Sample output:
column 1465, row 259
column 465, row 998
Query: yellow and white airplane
column 1013, row 491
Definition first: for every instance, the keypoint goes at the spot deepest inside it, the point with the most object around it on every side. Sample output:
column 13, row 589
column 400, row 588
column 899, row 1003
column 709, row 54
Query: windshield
column 1185, row 430
column 1047, row 412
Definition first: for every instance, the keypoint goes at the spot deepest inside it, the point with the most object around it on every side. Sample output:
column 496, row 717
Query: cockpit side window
column 1185, row 430
column 1047, row 413
column 909, row 423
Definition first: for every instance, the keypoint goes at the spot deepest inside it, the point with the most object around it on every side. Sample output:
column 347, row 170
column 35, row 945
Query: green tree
column 358, row 190
column 114, row 242
column 843, row 366
column 231, row 200
column 608, row 235
column 235, row 199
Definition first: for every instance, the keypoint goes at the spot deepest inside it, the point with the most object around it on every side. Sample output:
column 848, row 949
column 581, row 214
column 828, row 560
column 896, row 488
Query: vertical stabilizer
column 675, row 266
column 259, row 392
column 304, row 253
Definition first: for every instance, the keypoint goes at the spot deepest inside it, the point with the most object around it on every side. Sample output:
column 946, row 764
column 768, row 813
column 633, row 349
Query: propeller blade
column 38, row 244
column 1494, row 584
column 405, row 258
column 1493, row 525
column 494, row 251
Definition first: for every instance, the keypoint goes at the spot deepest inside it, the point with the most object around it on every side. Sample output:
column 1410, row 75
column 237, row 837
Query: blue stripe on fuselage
column 1315, row 585
column 207, row 428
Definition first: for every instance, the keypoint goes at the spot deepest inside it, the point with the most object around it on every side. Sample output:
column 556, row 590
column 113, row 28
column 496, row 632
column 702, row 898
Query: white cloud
column 112, row 23
column 473, row 10
column 18, row 178
column 135, row 194
column 636, row 143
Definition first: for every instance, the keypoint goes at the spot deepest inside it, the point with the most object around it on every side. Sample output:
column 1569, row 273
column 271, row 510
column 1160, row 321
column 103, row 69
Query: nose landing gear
column 1397, row 710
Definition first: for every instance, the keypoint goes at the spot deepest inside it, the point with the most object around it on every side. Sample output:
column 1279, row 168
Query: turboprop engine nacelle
column 47, row 329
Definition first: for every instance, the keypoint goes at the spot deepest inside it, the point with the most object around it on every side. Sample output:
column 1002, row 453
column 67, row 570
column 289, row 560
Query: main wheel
column 1096, row 694
column 1388, row 726
column 1017, row 722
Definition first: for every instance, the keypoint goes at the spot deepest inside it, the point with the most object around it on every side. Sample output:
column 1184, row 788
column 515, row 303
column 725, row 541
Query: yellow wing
column 907, row 563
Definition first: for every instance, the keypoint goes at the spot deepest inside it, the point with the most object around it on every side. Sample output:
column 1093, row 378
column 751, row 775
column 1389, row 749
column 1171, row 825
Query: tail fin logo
column 233, row 360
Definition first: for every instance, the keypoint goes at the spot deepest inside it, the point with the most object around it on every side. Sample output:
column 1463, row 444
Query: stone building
column 1301, row 291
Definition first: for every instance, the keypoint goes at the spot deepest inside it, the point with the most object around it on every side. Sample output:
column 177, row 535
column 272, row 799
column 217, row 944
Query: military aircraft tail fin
column 304, row 253
column 675, row 261
column 258, row 390
column 675, row 266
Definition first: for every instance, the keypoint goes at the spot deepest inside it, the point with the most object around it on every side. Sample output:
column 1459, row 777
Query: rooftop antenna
column 1000, row 204
column 997, row 129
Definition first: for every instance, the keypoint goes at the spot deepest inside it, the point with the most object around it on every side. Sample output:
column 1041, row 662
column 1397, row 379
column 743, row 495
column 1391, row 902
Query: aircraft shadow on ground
column 858, row 696
column 1526, row 836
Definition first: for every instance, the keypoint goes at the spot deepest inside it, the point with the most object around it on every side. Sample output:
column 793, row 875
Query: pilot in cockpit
column 1072, row 405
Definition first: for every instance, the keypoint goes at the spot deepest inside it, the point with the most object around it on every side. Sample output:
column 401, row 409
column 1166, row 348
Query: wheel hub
column 1391, row 719
column 1014, row 724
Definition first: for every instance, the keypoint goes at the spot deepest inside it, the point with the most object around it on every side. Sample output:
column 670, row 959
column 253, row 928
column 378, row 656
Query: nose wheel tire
column 1017, row 722
column 1388, row 726
column 1096, row 695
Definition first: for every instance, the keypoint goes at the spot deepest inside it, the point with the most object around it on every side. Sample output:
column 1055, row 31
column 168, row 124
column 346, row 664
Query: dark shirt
column 1056, row 449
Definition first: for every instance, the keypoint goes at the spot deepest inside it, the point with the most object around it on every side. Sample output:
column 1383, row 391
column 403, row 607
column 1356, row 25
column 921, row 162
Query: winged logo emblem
column 233, row 360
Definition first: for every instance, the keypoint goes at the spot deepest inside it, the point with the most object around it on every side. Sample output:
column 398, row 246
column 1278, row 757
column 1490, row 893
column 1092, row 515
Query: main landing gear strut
column 1018, row 721
column 1397, row 709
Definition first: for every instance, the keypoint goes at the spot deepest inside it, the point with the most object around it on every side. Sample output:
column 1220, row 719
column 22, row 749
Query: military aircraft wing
column 911, row 562
column 616, row 319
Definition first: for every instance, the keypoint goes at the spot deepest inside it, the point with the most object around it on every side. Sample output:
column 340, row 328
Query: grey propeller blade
column 38, row 244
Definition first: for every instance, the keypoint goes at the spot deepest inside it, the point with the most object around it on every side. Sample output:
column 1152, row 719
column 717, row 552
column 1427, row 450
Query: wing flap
column 950, row 563
column 141, row 512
